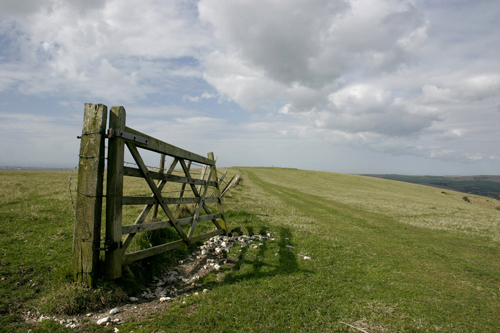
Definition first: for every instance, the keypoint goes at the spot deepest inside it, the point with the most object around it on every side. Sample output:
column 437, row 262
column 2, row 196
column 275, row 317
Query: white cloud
column 368, row 73
column 116, row 50
column 205, row 95
column 480, row 87
column 191, row 98
column 386, row 76
column 293, row 57
column 432, row 94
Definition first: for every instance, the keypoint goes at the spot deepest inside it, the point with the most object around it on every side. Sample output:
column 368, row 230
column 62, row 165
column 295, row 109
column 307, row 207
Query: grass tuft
column 184, row 211
column 77, row 298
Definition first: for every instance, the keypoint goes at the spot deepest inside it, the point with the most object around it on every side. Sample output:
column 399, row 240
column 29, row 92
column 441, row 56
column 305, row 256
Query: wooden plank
column 87, row 229
column 228, row 185
column 202, row 177
column 168, row 149
column 134, row 172
column 168, row 201
column 207, row 235
column 138, row 159
column 134, row 228
column 188, row 175
column 195, row 191
column 116, row 153
column 130, row 257
column 220, row 207
column 202, row 202
column 142, row 217
column 183, row 187
column 232, row 183
column 161, row 169
column 221, row 179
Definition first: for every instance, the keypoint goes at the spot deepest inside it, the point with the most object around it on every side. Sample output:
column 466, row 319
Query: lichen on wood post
column 87, row 230
column 114, row 194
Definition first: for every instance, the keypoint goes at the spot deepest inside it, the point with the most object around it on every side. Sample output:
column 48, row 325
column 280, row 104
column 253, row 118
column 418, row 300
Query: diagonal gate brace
column 157, row 194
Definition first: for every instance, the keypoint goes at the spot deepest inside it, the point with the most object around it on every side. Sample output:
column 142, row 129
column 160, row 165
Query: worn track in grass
column 427, row 264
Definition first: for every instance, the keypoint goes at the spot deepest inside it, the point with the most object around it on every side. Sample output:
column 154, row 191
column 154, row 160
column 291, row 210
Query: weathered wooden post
column 87, row 231
column 161, row 170
column 114, row 193
column 220, row 208
column 183, row 187
column 203, row 171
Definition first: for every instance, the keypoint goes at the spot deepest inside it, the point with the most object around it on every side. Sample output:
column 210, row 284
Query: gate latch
column 110, row 246
column 114, row 133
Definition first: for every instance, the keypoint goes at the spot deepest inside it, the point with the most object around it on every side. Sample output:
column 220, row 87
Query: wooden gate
column 118, row 237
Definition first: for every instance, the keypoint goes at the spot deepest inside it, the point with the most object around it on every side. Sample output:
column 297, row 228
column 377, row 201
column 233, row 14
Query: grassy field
column 488, row 186
column 385, row 256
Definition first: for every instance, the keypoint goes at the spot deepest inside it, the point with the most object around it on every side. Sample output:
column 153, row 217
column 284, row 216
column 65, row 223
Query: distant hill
column 20, row 168
column 484, row 185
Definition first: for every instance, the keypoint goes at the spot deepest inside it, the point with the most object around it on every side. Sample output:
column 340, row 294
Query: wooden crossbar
column 168, row 201
column 134, row 228
column 157, row 194
column 195, row 192
column 138, row 255
column 118, row 237
column 183, row 187
column 142, row 217
column 133, row 172
column 167, row 149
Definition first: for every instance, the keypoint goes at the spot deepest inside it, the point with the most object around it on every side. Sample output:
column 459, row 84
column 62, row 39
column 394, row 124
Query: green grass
column 385, row 256
column 488, row 186
column 36, row 236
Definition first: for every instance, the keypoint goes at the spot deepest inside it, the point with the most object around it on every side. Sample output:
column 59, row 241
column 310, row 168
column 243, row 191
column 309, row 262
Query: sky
column 351, row 86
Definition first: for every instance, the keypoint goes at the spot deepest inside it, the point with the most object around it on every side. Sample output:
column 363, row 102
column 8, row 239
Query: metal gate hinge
column 114, row 133
column 109, row 246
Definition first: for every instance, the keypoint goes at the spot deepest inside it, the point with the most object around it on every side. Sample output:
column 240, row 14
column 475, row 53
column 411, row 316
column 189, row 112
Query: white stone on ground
column 103, row 321
column 114, row 311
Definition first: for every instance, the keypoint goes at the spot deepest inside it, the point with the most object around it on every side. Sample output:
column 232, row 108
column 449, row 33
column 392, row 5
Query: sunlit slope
column 403, row 202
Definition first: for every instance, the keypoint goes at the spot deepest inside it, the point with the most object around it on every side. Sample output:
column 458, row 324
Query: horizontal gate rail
column 121, row 136
column 168, row 201
column 132, row 172
column 134, row 228
column 167, row 149
column 199, row 189
column 138, row 255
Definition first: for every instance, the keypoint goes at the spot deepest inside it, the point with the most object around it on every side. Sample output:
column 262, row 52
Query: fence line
column 200, row 188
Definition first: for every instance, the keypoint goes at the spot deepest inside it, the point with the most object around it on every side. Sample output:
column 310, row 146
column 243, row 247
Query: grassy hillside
column 385, row 256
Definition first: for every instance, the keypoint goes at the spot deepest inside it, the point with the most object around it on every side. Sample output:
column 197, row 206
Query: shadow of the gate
column 287, row 262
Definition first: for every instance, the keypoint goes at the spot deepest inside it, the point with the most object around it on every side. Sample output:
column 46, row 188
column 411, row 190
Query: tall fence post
column 220, row 208
column 161, row 170
column 114, row 194
column 183, row 187
column 87, row 230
